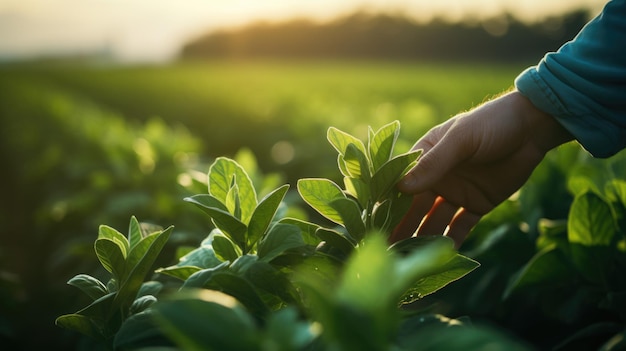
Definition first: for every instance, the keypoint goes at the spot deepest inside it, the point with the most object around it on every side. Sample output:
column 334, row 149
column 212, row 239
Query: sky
column 154, row 30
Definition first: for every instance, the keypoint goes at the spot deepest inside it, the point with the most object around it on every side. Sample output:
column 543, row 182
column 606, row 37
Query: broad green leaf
column 453, row 270
column 232, row 201
column 79, row 323
column 341, row 164
column 224, row 248
column 549, row 267
column 269, row 279
column 388, row 214
column 426, row 257
column 359, row 189
column 184, row 319
column 134, row 232
column 264, row 214
column 150, row 288
column 180, row 272
column 221, row 174
column 131, row 285
column 279, row 239
column 111, row 257
column 367, row 277
column 106, row 232
column 206, row 201
column 225, row 221
column 357, row 163
column 350, row 214
column 307, row 230
column 241, row 289
column 200, row 278
column 390, row 173
column 139, row 332
column 242, row 264
column 319, row 193
column 89, row 285
column 382, row 142
column 590, row 221
column 101, row 309
column 335, row 239
column 340, row 141
column 142, row 303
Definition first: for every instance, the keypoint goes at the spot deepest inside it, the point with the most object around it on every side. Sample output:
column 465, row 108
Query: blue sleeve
column 583, row 84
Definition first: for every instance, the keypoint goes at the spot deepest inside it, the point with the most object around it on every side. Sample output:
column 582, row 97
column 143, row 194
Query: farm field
column 88, row 144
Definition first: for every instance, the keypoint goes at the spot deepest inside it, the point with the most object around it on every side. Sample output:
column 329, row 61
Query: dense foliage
column 78, row 151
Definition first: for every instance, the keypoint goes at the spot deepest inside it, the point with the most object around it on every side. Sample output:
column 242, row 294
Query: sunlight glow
column 155, row 29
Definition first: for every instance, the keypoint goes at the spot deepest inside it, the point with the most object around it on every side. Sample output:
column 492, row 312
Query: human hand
column 473, row 162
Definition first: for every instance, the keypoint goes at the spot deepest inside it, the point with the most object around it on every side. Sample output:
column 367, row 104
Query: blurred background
column 112, row 108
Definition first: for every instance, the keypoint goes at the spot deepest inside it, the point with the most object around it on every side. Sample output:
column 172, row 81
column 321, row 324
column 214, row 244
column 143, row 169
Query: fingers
column 444, row 148
column 461, row 225
column 433, row 215
column 438, row 218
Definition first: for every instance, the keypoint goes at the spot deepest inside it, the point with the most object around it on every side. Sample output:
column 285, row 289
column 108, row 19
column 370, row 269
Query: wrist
column 544, row 130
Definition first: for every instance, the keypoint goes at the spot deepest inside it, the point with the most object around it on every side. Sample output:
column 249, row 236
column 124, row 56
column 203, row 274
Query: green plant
column 261, row 280
column 128, row 259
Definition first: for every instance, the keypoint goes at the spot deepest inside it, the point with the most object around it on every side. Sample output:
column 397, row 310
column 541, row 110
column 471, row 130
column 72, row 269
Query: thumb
column 434, row 164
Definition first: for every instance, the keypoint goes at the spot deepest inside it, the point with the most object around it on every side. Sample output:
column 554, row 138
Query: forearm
column 583, row 84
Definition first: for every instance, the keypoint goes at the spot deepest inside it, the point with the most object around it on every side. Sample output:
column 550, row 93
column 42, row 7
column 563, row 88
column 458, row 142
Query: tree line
column 382, row 36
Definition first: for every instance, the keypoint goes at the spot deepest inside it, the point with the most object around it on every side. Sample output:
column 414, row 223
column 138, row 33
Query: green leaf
column 427, row 256
column 242, row 264
column 200, row 278
column 590, row 221
column 264, row 214
column 341, row 164
column 142, row 303
column 336, row 239
column 382, row 142
column 269, row 279
column 340, row 141
column 129, row 287
column 359, row 189
column 350, row 214
column 239, row 288
column 140, row 332
column 549, row 267
column 89, row 285
column 390, row 173
column 389, row 213
column 150, row 288
column 79, row 323
column 184, row 319
column 180, row 272
column 232, row 201
column 279, row 239
column 225, row 221
column 221, row 175
column 307, row 229
column 134, row 232
column 224, row 248
column 206, row 201
column 106, row 232
column 367, row 277
column 357, row 164
column 453, row 270
column 111, row 257
column 319, row 193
